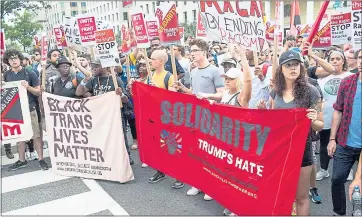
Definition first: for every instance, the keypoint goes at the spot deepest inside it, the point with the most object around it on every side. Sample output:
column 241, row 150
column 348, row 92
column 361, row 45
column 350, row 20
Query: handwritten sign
column 234, row 22
column 152, row 27
column 72, row 36
column 341, row 28
column 168, row 29
column 140, row 30
column 87, row 27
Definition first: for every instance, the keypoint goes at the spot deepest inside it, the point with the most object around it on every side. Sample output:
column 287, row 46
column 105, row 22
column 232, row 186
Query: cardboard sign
column 304, row 30
column 44, row 48
column 341, row 29
column 127, row 4
column 107, row 48
column 140, row 30
column 235, row 22
column 2, row 42
column 167, row 18
column 60, row 37
column 357, row 26
column 87, row 27
column 237, row 156
column 323, row 37
column 15, row 114
column 89, row 142
column 126, row 40
column 200, row 29
column 181, row 30
column 72, row 35
column 152, row 28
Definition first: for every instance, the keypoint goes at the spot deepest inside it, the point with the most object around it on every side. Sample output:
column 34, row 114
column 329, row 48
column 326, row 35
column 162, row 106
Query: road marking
column 26, row 180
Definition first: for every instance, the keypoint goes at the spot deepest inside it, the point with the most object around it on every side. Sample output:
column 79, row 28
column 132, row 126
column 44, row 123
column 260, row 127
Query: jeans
column 344, row 158
column 324, row 140
column 125, row 135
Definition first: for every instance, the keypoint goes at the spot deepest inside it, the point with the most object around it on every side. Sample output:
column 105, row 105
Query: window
column 104, row 8
column 194, row 15
column 117, row 28
column 185, row 2
column 74, row 13
column 73, row 4
column 109, row 17
column 177, row 15
column 112, row 17
column 116, row 4
column 176, row 3
column 117, row 16
column 83, row 4
column 194, row 1
column 142, row 8
column 125, row 16
column 84, row 11
column 185, row 16
column 112, row 4
column 108, row 6
column 153, row 7
column 147, row 9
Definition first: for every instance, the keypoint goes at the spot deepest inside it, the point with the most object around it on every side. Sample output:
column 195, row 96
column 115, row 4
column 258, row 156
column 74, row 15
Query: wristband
column 332, row 139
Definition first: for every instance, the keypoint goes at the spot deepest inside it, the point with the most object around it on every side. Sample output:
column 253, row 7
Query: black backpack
column 166, row 79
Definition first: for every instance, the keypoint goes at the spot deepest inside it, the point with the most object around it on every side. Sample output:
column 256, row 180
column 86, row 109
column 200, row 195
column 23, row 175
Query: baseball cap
column 229, row 60
column 288, row 56
column 232, row 73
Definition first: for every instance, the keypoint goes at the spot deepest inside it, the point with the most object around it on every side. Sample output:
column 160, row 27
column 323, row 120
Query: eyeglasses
column 37, row 54
column 14, row 58
column 195, row 50
column 291, row 64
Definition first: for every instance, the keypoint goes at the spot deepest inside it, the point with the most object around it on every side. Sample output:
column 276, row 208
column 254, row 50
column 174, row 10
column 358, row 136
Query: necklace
column 104, row 89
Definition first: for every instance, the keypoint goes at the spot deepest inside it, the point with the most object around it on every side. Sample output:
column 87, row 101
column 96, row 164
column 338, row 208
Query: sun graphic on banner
column 172, row 141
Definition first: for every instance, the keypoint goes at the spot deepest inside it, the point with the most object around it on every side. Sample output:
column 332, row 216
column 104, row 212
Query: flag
column 294, row 18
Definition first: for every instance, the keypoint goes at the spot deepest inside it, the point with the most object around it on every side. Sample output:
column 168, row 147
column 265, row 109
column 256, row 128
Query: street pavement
column 30, row 191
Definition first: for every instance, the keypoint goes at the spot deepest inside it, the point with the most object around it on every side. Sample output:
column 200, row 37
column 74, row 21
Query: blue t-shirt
column 354, row 133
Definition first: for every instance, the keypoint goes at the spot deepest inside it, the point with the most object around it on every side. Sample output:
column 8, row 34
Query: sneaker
column 144, row 165
column 193, row 191
column 321, row 174
column 350, row 175
column 134, row 147
column 9, row 154
column 226, row 212
column 131, row 162
column 178, row 185
column 27, row 155
column 17, row 165
column 207, row 197
column 313, row 192
column 157, row 177
column 34, row 155
column 43, row 165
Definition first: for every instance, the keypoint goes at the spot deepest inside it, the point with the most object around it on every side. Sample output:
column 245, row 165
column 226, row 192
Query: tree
column 190, row 29
column 10, row 7
column 22, row 29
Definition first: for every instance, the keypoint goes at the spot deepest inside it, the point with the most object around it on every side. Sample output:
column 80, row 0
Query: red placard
column 152, row 28
column 2, row 42
column 356, row 5
column 127, row 4
column 60, row 37
column 167, row 18
column 126, row 40
column 237, row 156
column 200, row 29
column 323, row 36
column 44, row 48
column 87, row 28
column 140, row 30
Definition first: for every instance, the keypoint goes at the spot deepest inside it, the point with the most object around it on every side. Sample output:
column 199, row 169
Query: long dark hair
column 301, row 90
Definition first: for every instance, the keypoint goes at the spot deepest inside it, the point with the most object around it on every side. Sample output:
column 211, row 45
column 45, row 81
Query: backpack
column 166, row 79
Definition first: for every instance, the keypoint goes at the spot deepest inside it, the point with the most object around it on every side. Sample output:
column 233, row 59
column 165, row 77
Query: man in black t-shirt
column 31, row 83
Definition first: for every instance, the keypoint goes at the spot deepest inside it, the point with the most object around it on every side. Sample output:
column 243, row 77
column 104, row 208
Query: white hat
column 232, row 73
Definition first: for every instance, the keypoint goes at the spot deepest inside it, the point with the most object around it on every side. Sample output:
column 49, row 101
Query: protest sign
column 357, row 26
column 200, row 29
column 234, row 22
column 107, row 48
column 126, row 40
column 167, row 18
column 60, row 37
column 270, row 31
column 87, row 137
column 72, row 36
column 140, row 30
column 341, row 29
column 304, row 29
column 152, row 27
column 2, row 42
column 37, row 41
column 44, row 48
column 87, row 27
column 181, row 30
column 15, row 115
column 255, row 160
column 127, row 4
column 322, row 38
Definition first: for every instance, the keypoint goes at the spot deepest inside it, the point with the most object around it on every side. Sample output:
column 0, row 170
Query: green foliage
column 190, row 29
column 22, row 29
column 13, row 45
column 10, row 7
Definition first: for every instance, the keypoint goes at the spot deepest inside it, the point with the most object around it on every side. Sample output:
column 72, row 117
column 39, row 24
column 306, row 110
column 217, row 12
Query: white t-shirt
column 329, row 86
column 227, row 96
column 260, row 89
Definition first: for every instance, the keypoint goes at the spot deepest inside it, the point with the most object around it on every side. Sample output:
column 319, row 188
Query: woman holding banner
column 292, row 90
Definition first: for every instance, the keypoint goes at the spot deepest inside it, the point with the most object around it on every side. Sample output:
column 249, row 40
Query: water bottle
column 357, row 202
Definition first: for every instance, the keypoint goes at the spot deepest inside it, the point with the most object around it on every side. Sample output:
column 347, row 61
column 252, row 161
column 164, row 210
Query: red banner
column 200, row 29
column 60, row 37
column 168, row 20
column 127, row 4
column 152, row 28
column 140, row 31
column 2, row 42
column 44, row 48
column 87, row 29
column 246, row 162
column 323, row 37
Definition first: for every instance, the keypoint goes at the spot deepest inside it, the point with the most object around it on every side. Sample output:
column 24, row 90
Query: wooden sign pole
column 148, row 65
column 173, row 62
column 113, row 73
column 128, row 67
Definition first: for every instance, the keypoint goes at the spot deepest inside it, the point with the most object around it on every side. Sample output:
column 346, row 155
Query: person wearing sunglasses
column 292, row 90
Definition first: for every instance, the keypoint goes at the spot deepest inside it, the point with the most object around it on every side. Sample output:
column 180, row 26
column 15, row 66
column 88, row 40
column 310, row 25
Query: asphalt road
column 31, row 191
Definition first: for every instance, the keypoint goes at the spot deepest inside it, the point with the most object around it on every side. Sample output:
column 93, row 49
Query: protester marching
column 244, row 112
